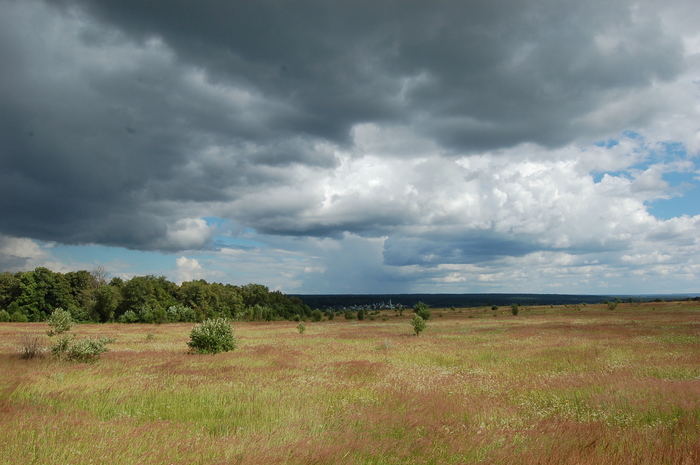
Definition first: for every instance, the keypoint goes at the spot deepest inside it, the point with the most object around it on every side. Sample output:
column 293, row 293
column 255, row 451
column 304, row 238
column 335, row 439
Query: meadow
column 577, row 384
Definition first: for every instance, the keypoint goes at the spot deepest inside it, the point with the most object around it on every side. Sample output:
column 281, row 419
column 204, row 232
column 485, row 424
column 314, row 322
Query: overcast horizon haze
column 367, row 147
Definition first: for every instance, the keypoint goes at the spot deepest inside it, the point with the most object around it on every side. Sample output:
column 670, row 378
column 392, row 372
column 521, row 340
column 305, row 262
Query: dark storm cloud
column 120, row 120
column 475, row 75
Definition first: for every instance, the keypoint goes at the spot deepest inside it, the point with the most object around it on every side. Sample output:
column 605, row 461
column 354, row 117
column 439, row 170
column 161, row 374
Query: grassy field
column 569, row 385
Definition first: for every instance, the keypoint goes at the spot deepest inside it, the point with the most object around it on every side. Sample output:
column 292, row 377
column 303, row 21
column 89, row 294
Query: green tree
column 9, row 289
column 42, row 290
column 82, row 288
column 423, row 310
column 106, row 302
column 60, row 322
column 418, row 324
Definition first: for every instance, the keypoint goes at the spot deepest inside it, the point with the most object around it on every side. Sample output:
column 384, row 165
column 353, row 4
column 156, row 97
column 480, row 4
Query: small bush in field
column 87, row 350
column 212, row 337
column 316, row 315
column 418, row 324
column 31, row 346
column 423, row 310
column 66, row 347
column 62, row 344
column 301, row 328
column 514, row 309
column 60, row 322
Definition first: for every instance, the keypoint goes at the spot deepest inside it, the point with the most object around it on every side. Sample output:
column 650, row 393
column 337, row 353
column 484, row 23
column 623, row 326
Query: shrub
column 129, row 317
column 19, row 317
column 4, row 316
column 349, row 315
column 418, row 324
column 212, row 336
column 423, row 310
column 494, row 308
column 360, row 314
column 60, row 322
column 611, row 305
column 316, row 315
column 62, row 344
column 31, row 346
column 514, row 309
column 182, row 313
column 301, row 327
column 87, row 350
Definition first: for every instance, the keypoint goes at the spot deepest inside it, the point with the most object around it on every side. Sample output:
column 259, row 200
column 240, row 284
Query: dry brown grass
column 574, row 385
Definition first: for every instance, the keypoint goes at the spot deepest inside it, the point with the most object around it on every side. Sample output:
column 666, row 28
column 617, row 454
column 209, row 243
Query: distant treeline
column 339, row 301
column 90, row 297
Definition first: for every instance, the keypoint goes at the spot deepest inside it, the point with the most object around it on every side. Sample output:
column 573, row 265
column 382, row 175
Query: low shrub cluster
column 212, row 337
column 66, row 347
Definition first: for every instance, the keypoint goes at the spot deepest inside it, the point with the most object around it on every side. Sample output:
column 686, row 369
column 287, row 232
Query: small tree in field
column 66, row 347
column 418, row 324
column 423, row 310
column 212, row 337
column 60, row 322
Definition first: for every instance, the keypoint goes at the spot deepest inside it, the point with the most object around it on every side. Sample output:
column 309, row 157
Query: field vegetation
column 576, row 384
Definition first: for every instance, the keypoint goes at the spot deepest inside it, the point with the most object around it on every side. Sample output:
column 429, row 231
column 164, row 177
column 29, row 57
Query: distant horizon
column 503, row 293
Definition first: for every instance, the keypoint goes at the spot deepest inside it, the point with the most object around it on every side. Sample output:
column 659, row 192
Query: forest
column 29, row 296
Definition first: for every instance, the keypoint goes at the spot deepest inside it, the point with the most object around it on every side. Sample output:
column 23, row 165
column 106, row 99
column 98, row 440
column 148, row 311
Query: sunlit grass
column 570, row 384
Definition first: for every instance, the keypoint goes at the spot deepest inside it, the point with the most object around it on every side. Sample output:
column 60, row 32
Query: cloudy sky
column 364, row 146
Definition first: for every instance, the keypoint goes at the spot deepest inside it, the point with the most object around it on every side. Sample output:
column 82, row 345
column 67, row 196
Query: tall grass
column 552, row 385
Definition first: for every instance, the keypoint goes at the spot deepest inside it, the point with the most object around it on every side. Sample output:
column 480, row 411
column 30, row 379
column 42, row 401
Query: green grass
column 581, row 385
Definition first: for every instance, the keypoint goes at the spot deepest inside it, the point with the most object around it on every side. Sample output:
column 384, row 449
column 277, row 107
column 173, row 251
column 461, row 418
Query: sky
column 365, row 146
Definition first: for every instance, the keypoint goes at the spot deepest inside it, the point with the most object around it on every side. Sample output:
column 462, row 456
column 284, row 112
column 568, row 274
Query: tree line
column 28, row 296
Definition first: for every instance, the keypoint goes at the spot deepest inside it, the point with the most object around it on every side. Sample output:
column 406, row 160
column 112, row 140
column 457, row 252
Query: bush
column 514, row 309
column 62, row 344
column 316, row 315
column 301, row 328
column 423, row 310
column 60, row 322
column 418, row 324
column 177, row 313
column 87, row 350
column 360, row 314
column 4, row 316
column 31, row 346
column 19, row 317
column 129, row 316
column 212, row 337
